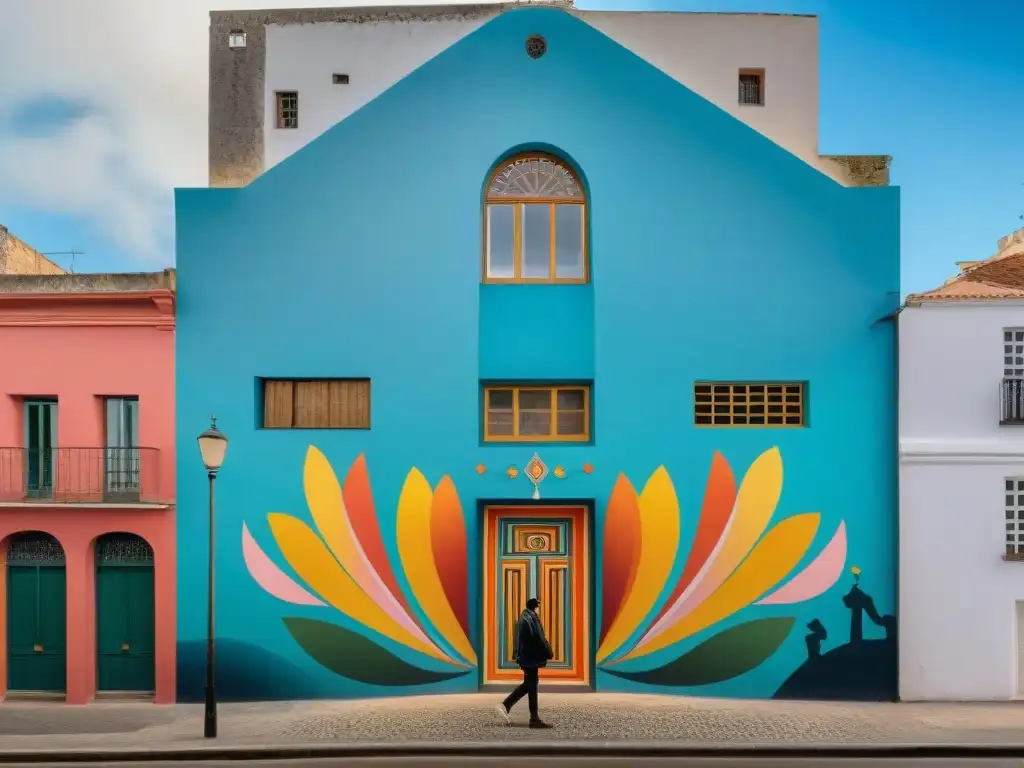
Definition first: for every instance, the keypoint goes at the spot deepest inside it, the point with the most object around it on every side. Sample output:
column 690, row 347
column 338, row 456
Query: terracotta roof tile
column 1001, row 277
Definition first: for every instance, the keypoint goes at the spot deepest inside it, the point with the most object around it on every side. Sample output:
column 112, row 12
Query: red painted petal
column 719, row 499
column 621, row 552
column 362, row 515
column 448, row 541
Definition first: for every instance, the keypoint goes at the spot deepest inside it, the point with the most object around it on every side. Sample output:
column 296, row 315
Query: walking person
column 531, row 650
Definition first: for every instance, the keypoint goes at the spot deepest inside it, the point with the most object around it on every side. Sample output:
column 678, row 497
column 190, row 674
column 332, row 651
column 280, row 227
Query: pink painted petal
column 273, row 580
column 817, row 577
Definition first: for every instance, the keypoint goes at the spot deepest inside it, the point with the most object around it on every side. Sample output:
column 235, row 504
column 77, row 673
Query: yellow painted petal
column 327, row 506
column 771, row 561
column 417, row 558
column 309, row 557
column 659, row 540
column 755, row 504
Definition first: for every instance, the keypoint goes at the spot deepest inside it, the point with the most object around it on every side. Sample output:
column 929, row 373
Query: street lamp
column 213, row 445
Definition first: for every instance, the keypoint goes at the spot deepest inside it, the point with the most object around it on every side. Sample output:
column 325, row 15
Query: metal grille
column 288, row 109
column 1013, row 353
column 1015, row 516
column 1011, row 401
column 750, row 88
column 728, row 404
column 123, row 548
column 35, row 548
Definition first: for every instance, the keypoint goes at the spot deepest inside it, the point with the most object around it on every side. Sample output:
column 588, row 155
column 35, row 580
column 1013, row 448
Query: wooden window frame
column 294, row 394
column 759, row 72
column 801, row 402
column 517, row 204
column 553, row 436
column 279, row 97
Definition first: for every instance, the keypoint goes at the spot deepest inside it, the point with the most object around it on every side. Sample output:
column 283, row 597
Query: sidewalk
column 667, row 721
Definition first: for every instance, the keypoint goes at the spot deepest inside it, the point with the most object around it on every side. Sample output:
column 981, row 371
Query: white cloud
column 142, row 68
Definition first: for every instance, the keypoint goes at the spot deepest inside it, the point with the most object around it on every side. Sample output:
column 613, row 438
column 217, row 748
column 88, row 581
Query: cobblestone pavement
column 471, row 718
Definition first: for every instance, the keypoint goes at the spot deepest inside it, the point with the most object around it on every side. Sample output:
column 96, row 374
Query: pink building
column 87, row 528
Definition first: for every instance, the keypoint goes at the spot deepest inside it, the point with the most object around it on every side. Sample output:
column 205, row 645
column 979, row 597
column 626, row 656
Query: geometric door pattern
column 537, row 552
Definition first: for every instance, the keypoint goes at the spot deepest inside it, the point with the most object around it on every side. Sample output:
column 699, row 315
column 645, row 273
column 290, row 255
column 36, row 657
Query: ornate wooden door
column 537, row 552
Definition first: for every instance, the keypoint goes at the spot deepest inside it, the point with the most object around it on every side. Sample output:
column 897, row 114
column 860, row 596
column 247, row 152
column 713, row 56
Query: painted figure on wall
column 862, row 668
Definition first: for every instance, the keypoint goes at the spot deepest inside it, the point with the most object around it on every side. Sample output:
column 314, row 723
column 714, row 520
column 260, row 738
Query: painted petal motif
column 719, row 499
column 272, row 579
column 418, row 561
column 311, row 560
column 621, row 550
column 728, row 654
column 323, row 495
column 770, row 562
column 755, row 504
column 362, row 515
column 351, row 655
column 659, row 539
column 817, row 578
column 448, row 539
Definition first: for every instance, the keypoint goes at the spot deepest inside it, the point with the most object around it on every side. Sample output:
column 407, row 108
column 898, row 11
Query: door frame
column 121, row 454
column 99, row 565
column 584, row 539
column 53, row 404
column 10, row 693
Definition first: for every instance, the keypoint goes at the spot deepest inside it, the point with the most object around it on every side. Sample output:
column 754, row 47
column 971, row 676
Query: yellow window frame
column 517, row 240
column 553, row 436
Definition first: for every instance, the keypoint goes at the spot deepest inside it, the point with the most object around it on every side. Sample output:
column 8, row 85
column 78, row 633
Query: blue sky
column 938, row 84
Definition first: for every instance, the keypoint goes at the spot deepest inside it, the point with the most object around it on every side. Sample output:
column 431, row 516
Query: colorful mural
column 735, row 561
column 345, row 566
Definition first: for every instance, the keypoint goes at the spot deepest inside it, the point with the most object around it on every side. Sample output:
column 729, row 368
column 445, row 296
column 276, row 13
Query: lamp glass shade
column 213, row 445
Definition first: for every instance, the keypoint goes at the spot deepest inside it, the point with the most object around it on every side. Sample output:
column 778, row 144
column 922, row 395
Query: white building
column 280, row 78
column 961, row 606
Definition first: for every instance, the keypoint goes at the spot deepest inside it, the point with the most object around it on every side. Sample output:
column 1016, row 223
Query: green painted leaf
column 728, row 654
column 351, row 655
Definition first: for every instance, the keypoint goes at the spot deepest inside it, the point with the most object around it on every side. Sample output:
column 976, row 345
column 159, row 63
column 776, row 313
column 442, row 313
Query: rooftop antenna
column 72, row 254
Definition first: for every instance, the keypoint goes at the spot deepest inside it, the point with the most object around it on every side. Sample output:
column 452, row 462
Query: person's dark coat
column 532, row 649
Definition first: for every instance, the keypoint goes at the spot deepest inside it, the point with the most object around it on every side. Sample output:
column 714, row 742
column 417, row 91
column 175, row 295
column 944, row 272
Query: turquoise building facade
column 707, row 503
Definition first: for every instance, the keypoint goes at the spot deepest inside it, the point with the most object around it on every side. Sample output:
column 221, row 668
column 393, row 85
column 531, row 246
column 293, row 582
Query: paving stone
column 594, row 717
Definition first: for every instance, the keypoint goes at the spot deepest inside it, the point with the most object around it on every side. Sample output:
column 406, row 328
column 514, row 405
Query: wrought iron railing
column 1011, row 401
column 63, row 475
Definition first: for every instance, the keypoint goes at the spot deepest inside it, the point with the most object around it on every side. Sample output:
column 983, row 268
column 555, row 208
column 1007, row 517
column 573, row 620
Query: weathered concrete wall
column 299, row 50
column 19, row 258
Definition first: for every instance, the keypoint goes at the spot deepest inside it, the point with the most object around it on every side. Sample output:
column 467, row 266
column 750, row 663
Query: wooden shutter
column 350, row 404
column 277, row 404
column 312, row 404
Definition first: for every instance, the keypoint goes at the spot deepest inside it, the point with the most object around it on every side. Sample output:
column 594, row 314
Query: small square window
column 236, row 39
column 751, row 86
column 339, row 79
column 287, row 109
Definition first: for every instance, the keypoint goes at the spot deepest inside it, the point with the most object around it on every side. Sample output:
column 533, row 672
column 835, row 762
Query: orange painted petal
column 719, row 498
column 621, row 550
column 448, row 540
column 358, row 498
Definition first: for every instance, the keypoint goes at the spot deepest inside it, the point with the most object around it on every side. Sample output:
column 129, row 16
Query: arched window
column 535, row 223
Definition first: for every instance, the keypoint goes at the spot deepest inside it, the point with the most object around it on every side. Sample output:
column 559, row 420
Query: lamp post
column 213, row 445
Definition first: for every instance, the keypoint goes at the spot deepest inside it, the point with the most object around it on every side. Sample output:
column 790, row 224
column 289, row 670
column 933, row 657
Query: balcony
column 80, row 475
column 1011, row 401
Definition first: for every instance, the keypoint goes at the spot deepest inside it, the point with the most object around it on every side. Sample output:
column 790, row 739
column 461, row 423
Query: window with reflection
column 535, row 223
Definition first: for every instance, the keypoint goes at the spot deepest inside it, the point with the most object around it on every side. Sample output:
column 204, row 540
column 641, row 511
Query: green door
column 125, row 614
column 40, row 447
column 36, row 614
